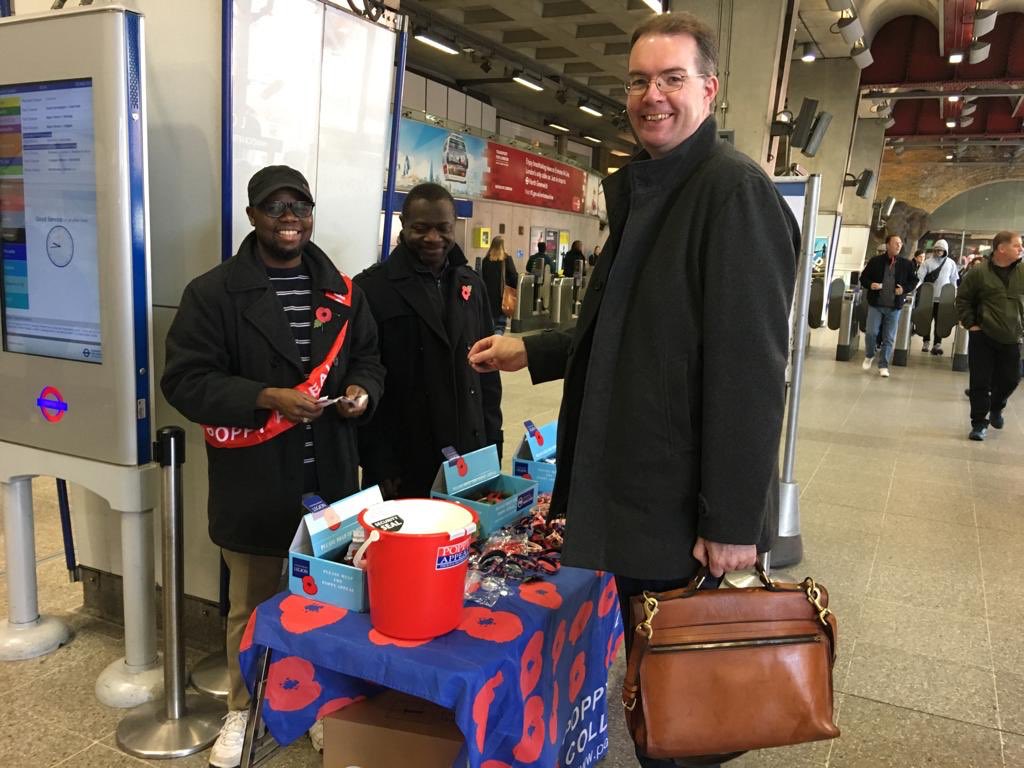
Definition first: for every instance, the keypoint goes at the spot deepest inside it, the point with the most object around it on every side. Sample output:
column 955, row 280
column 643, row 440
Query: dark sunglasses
column 276, row 209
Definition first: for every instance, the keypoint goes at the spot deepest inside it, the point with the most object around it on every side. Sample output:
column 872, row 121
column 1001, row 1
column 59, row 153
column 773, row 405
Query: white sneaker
column 866, row 365
column 316, row 736
column 925, row 347
column 227, row 750
column 883, row 372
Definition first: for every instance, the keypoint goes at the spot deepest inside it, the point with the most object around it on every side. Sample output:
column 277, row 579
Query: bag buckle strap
column 814, row 598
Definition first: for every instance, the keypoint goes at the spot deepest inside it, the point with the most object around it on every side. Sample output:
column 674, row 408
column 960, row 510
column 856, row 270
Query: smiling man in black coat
column 672, row 411
column 430, row 307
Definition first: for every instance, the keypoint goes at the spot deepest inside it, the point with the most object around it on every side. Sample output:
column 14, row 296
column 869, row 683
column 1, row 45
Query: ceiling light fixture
column 585, row 107
column 969, row 109
column 438, row 43
column 951, row 123
column 966, row 121
column 950, row 156
column 620, row 153
column 655, row 5
column 558, row 127
column 591, row 138
column 861, row 55
column 889, row 123
column 808, row 53
column 953, row 99
column 984, row 22
column 978, row 52
column 527, row 81
column 956, row 57
column 851, row 29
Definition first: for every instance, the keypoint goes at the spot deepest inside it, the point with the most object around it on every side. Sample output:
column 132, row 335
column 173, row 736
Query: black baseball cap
column 268, row 180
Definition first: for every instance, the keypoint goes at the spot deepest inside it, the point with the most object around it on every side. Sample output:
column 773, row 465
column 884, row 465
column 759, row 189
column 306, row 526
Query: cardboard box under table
column 391, row 730
column 315, row 569
column 469, row 479
column 535, row 458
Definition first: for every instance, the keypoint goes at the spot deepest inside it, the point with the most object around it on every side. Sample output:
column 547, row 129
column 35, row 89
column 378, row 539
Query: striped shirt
column 292, row 286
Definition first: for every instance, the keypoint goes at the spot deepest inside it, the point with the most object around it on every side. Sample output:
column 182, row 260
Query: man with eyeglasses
column 675, row 376
column 430, row 307
column 274, row 352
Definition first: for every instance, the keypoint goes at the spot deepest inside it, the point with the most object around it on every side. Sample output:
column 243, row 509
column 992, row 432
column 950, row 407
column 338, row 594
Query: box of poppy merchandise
column 475, row 481
column 535, row 459
column 315, row 569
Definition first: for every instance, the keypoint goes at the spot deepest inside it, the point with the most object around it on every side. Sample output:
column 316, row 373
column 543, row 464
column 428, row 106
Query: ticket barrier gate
column 834, row 309
column 528, row 315
column 901, row 346
column 561, row 301
column 961, row 339
column 817, row 302
column 849, row 326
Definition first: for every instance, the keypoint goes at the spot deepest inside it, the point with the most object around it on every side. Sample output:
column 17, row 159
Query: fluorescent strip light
column 558, row 127
column 956, row 57
column 949, row 157
column 591, row 138
column 437, row 44
column 525, row 81
column 953, row 99
column 590, row 110
column 620, row 153
column 654, row 5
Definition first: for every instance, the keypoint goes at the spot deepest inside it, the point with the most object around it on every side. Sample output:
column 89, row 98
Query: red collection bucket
column 416, row 554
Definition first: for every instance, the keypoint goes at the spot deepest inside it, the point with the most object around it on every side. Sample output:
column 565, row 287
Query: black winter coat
column 692, row 442
column 874, row 272
column 490, row 271
column 432, row 398
column 229, row 340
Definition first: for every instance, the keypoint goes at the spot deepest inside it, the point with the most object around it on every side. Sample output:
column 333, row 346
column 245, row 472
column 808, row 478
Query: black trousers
column 995, row 373
column 628, row 588
column 932, row 324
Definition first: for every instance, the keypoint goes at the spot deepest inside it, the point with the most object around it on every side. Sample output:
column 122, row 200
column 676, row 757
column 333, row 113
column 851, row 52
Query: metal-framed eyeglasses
column 302, row 209
column 666, row 83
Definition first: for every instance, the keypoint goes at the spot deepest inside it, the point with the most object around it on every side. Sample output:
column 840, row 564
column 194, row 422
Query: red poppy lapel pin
column 467, row 291
column 323, row 317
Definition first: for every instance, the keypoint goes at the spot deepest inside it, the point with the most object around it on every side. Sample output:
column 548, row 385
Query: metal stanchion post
column 181, row 724
column 961, row 338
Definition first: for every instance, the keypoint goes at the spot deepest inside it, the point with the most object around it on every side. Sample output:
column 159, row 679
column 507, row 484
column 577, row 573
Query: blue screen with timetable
column 51, row 295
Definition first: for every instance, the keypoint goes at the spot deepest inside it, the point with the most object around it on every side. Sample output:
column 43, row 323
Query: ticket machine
column 75, row 306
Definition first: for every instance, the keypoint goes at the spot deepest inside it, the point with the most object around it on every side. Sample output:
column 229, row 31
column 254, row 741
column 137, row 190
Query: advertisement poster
column 469, row 166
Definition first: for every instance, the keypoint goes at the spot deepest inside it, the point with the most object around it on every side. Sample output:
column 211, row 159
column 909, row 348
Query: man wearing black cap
column 261, row 348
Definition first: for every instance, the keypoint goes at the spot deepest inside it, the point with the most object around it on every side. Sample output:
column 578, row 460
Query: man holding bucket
column 674, row 379
column 274, row 352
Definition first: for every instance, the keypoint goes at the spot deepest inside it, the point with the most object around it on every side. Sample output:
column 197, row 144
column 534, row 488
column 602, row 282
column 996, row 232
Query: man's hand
column 293, row 405
column 355, row 403
column 720, row 558
column 498, row 353
column 876, row 286
column 899, row 290
column 974, row 328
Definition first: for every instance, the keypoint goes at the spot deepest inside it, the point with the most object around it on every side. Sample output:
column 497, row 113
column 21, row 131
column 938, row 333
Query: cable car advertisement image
column 456, row 161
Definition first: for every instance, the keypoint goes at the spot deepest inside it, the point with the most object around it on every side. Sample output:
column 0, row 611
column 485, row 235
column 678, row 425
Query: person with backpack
column 939, row 270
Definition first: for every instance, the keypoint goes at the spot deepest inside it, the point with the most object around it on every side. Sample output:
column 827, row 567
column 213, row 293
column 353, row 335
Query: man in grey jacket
column 674, row 378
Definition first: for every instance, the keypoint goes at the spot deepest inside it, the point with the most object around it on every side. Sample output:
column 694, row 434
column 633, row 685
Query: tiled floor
column 917, row 532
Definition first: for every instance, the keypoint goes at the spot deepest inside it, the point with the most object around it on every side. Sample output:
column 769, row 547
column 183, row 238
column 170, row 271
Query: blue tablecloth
column 526, row 679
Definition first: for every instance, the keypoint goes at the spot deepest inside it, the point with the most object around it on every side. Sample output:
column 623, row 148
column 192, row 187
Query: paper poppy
column 482, row 708
column 556, row 646
column 290, row 685
column 250, row 628
column 542, row 593
column 532, row 742
column 532, row 663
column 300, row 615
column 577, row 675
column 379, row 638
column 467, row 291
column 323, row 315
column 496, row 626
column 609, row 597
column 580, row 622
column 335, row 704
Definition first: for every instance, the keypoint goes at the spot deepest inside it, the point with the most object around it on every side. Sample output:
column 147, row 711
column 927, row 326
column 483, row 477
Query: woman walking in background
column 498, row 270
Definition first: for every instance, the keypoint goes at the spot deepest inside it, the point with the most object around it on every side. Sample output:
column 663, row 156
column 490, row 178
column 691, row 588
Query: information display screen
column 51, row 295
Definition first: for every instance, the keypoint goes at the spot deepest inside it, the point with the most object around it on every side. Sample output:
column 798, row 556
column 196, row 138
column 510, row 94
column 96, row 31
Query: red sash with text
column 241, row 437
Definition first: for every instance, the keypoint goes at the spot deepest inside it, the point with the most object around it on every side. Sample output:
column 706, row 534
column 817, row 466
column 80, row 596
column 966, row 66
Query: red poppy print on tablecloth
column 290, row 685
column 532, row 742
column 482, row 708
column 580, row 622
column 553, row 725
column 577, row 675
column 614, row 643
column 542, row 593
column 250, row 628
column 609, row 598
column 379, row 638
column 559, row 642
column 496, row 626
column 532, row 663
column 323, row 316
column 300, row 615
column 495, row 764
column 335, row 704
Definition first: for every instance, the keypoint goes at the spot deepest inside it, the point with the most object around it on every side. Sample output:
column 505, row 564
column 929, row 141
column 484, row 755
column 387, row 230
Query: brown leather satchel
column 715, row 673
column 509, row 295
